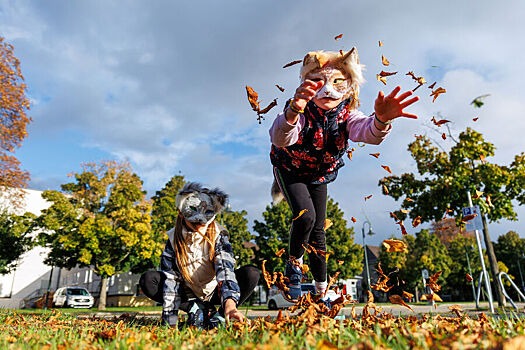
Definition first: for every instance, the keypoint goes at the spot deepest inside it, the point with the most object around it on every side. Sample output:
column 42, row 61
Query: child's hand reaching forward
column 392, row 106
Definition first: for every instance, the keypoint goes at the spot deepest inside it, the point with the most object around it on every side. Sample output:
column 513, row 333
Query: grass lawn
column 373, row 329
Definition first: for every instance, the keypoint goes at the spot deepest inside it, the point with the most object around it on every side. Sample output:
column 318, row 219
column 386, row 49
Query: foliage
column 447, row 177
column 164, row 212
column 13, row 121
column 463, row 248
column 15, row 239
column 510, row 249
column 426, row 252
column 273, row 235
column 240, row 238
column 102, row 221
column 397, row 261
column 341, row 246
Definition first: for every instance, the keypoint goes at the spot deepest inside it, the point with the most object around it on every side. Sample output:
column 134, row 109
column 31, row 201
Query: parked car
column 276, row 299
column 73, row 297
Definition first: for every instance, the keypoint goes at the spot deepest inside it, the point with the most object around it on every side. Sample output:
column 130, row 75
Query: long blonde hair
column 179, row 245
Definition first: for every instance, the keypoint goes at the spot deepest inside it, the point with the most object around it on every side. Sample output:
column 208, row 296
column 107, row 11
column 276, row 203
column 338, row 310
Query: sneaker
column 295, row 275
column 214, row 321
column 195, row 315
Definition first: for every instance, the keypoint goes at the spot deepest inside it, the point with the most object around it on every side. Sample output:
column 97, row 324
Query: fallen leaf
column 253, row 98
column 477, row 194
column 381, row 79
column 419, row 80
column 439, row 122
column 402, row 227
column 280, row 87
column 482, row 159
column 478, row 101
column 387, row 168
column 385, row 61
column 432, row 282
column 376, row 155
column 368, row 197
column 469, row 217
column 350, row 153
column 337, row 37
column 380, row 43
column 385, row 190
column 280, row 252
column 267, row 108
column 327, row 224
column 475, row 119
column 386, row 74
column 444, row 136
column 431, row 86
column 488, row 201
column 468, row 277
column 353, row 219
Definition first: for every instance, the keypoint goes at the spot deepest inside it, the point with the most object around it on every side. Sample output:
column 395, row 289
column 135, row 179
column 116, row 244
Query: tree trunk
column 493, row 262
column 102, row 293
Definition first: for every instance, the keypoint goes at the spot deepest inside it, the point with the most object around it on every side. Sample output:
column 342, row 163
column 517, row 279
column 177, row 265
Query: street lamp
column 366, row 255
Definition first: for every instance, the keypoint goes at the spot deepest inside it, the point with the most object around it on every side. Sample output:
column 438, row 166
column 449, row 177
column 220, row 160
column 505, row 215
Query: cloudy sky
column 162, row 85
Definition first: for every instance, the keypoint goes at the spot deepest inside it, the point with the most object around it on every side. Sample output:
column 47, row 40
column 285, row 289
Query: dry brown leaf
column 337, row 37
column 327, row 224
column 268, row 108
column 381, row 79
column 376, row 155
column 280, row 252
column 380, row 43
column 368, row 197
column 280, row 87
column 387, row 168
column 394, row 246
column 397, row 299
column 385, row 190
column 416, row 221
column 292, row 63
column 385, row 61
column 444, row 136
column 353, row 219
column 439, row 122
column 300, row 214
column 437, row 92
column 253, row 98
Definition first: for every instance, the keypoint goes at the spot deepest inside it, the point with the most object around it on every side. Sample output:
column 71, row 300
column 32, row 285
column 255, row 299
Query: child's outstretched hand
column 392, row 106
column 303, row 94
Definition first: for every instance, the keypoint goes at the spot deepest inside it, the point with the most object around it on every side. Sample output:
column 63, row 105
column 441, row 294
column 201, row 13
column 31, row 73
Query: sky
column 161, row 84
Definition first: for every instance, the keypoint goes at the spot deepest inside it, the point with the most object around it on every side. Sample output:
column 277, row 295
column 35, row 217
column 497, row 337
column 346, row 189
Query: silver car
column 73, row 297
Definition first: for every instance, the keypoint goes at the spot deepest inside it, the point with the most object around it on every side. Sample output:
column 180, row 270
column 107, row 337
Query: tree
column 13, row 122
column 15, row 238
column 394, row 263
column 510, row 248
column 164, row 210
column 237, row 225
column 446, row 178
column 273, row 235
column 341, row 246
column 465, row 260
column 101, row 221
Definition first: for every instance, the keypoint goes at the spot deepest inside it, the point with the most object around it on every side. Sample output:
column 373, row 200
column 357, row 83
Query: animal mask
column 341, row 72
column 200, row 205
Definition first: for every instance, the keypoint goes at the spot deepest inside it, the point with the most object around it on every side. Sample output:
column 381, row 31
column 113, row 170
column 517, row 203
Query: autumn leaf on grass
column 437, row 92
column 396, row 299
column 416, row 221
column 324, row 344
column 439, row 122
column 385, row 61
column 280, row 252
column 300, row 214
column 387, row 168
column 337, row 37
column 456, row 309
column 394, row 246
column 478, row 101
column 375, row 155
column 292, row 63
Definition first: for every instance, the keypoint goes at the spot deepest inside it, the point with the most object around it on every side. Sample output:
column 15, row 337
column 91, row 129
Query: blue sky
column 162, row 85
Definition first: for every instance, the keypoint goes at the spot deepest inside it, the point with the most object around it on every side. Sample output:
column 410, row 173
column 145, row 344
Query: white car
column 73, row 297
column 276, row 298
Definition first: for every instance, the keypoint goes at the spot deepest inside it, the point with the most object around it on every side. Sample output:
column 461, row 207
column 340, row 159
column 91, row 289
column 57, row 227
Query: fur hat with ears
column 198, row 204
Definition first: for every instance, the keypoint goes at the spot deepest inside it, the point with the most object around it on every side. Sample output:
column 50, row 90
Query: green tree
column 240, row 238
column 341, row 246
column 396, row 261
column 510, row 249
column 273, row 235
column 465, row 260
column 446, row 178
column 15, row 238
column 426, row 252
column 164, row 210
column 102, row 220
column 13, row 124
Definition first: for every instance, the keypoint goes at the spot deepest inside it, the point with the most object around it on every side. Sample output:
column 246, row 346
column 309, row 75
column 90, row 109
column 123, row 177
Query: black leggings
column 309, row 227
column 152, row 284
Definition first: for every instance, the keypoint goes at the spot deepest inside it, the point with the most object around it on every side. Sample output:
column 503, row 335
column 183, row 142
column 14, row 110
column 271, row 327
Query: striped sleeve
column 224, row 269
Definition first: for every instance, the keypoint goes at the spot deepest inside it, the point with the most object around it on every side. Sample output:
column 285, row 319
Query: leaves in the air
column 419, row 80
column 478, row 101
column 416, row 221
column 385, row 61
column 435, row 93
column 300, row 214
column 253, row 99
column 394, row 246
column 339, row 36
column 368, row 197
column 289, row 64
column 375, row 155
column 279, row 87
column 387, row 168
column 439, row 122
column 397, row 299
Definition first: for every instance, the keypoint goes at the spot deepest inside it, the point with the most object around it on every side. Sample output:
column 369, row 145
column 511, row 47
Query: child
column 197, row 265
column 309, row 139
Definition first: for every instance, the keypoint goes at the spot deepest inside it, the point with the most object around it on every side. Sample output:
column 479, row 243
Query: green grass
column 67, row 329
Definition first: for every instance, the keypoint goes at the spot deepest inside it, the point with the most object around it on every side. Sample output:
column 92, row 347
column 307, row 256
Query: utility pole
column 366, row 254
